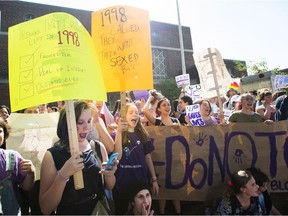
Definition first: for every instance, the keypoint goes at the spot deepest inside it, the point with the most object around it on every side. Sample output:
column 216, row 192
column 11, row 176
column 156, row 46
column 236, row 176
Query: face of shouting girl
column 132, row 117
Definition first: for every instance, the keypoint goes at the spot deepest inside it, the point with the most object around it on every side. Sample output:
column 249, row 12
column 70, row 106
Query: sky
column 248, row 30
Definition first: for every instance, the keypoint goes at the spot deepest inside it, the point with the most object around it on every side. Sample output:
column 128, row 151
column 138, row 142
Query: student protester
column 246, row 114
column 15, row 171
column 4, row 113
column 267, row 109
column 99, row 130
column 164, row 110
column 265, row 200
column 205, row 111
column 140, row 199
column 152, row 104
column 282, row 108
column 240, row 197
column 235, row 103
column 182, row 103
column 134, row 146
column 57, row 191
column 229, row 94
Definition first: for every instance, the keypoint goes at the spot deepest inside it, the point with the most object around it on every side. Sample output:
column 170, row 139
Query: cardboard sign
column 52, row 58
column 122, row 38
column 214, row 77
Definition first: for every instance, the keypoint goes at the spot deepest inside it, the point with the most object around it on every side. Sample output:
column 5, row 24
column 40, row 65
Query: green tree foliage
column 168, row 88
column 255, row 67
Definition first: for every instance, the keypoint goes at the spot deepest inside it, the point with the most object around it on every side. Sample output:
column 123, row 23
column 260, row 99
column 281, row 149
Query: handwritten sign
column 194, row 91
column 182, row 80
column 122, row 38
column 281, row 81
column 52, row 58
column 195, row 163
column 214, row 77
column 194, row 115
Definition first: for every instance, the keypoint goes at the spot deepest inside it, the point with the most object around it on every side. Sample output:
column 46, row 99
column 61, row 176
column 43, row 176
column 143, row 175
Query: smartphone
column 111, row 160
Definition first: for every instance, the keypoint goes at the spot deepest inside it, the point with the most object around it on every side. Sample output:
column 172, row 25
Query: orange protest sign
column 122, row 38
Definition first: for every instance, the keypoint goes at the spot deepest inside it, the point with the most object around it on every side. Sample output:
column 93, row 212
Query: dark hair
column 139, row 129
column 6, row 130
column 5, row 107
column 277, row 94
column 62, row 127
column 136, row 187
column 239, row 180
column 116, row 107
column 187, row 99
column 175, row 105
column 260, row 177
column 228, row 92
column 159, row 104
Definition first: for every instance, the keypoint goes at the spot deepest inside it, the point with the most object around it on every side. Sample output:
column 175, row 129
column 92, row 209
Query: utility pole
column 181, row 41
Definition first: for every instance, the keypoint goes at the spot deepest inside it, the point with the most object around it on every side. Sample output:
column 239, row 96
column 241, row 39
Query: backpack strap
column 95, row 145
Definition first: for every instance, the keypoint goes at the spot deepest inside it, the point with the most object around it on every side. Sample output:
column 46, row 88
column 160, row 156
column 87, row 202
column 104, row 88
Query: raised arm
column 151, row 118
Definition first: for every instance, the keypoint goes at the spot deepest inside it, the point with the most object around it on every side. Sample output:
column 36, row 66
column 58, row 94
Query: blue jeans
column 9, row 202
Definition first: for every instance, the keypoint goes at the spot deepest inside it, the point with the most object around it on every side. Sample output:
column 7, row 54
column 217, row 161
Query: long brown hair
column 139, row 129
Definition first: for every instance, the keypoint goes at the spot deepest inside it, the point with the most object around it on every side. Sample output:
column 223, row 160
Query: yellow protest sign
column 52, row 58
column 122, row 39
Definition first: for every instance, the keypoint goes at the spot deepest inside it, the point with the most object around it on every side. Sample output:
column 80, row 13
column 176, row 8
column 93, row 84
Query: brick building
column 164, row 38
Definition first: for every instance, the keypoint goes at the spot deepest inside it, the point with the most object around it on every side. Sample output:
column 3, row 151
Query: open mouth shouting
column 83, row 135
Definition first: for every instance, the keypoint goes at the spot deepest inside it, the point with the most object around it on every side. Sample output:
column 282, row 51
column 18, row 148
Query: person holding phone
column 134, row 146
column 57, row 191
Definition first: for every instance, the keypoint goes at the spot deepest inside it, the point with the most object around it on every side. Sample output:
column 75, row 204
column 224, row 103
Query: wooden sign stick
column 123, row 105
column 73, row 140
column 221, row 116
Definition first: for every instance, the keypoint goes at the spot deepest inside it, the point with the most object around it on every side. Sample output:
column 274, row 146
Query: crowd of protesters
column 128, row 137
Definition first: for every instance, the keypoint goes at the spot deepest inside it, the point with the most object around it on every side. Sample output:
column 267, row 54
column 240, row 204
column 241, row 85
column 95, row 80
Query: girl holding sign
column 134, row 146
column 205, row 111
column 57, row 190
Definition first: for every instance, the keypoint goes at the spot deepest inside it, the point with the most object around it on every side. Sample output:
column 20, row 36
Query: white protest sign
column 227, row 113
column 213, row 74
column 182, row 79
column 194, row 91
column 281, row 81
column 193, row 113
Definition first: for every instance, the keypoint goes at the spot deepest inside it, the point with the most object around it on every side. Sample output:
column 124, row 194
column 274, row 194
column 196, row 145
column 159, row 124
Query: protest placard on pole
column 52, row 58
column 122, row 39
column 194, row 115
column 182, row 80
column 214, row 77
column 194, row 91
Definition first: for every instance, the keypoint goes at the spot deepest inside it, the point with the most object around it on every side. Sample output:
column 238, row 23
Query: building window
column 159, row 66
column 28, row 17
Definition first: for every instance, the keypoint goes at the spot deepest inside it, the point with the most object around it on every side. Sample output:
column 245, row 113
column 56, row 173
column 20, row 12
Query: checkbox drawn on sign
column 26, row 61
